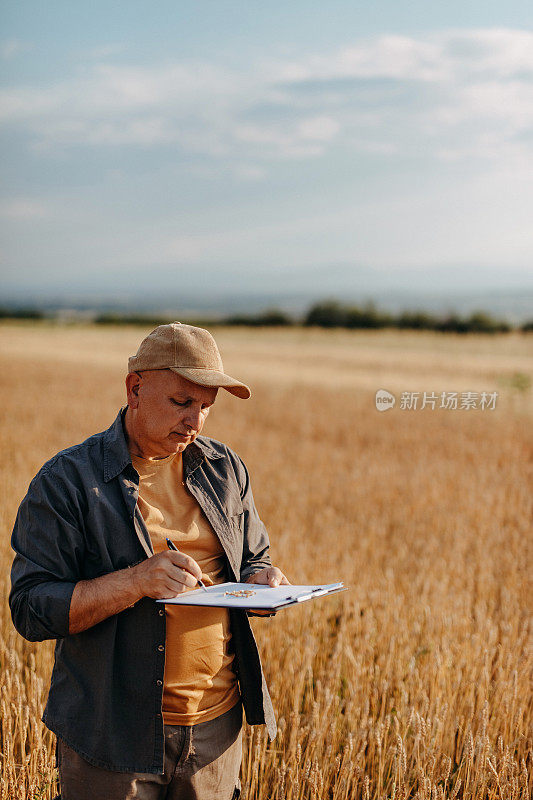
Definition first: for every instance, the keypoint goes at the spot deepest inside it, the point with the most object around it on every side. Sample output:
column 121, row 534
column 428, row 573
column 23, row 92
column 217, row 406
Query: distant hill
column 513, row 305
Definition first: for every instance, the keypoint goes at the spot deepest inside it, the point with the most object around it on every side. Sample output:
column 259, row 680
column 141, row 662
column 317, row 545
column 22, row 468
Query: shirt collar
column 117, row 456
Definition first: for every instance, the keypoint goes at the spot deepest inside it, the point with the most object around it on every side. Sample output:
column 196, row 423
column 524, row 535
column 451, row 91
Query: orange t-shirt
column 200, row 683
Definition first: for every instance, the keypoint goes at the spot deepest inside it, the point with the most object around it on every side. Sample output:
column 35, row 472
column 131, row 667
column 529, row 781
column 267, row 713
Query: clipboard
column 252, row 595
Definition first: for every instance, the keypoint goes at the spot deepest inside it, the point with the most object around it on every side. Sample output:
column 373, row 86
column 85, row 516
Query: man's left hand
column 270, row 576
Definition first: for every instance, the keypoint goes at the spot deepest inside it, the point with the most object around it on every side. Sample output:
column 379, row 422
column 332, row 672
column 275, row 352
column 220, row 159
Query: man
column 146, row 699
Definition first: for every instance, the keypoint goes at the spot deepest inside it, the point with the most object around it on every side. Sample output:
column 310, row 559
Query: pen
column 172, row 546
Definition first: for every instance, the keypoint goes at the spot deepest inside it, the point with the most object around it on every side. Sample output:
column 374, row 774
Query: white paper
column 263, row 597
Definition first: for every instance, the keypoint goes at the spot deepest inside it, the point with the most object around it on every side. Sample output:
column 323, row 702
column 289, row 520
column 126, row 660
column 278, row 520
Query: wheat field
column 415, row 683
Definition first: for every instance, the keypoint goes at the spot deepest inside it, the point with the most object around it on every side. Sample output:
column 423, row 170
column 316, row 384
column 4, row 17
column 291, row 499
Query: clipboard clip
column 320, row 590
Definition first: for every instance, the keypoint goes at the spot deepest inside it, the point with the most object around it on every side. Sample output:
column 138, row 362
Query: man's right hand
column 160, row 576
column 166, row 574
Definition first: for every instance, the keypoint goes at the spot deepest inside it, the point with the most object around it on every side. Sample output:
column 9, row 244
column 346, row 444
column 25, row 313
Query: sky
column 230, row 148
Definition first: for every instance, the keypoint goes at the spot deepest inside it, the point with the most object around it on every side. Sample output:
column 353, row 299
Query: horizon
column 512, row 306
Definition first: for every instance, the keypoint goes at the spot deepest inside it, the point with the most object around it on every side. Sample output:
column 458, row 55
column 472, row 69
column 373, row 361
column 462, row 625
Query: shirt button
column 161, row 647
column 161, row 612
column 160, row 683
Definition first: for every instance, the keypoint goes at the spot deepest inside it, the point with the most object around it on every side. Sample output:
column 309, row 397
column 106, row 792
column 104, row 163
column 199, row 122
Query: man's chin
column 178, row 442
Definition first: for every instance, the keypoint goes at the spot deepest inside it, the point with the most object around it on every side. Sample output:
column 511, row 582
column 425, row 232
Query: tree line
column 324, row 314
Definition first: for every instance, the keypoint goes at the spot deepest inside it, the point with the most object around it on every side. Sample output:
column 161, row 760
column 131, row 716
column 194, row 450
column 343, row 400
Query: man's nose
column 192, row 420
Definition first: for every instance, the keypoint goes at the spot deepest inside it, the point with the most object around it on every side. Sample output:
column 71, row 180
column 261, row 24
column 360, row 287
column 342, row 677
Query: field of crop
column 415, row 683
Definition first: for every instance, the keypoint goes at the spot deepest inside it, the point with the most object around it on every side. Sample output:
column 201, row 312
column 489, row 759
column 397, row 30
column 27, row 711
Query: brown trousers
column 202, row 762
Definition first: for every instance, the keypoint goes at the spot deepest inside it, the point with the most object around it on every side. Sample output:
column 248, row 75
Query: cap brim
column 214, row 379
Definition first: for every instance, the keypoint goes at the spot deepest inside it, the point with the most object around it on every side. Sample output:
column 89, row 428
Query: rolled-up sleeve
column 256, row 544
column 48, row 542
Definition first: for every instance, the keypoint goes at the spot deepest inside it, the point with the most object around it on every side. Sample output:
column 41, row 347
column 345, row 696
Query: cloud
column 441, row 56
column 107, row 50
column 301, row 139
column 398, row 57
column 23, row 209
column 13, row 47
column 452, row 94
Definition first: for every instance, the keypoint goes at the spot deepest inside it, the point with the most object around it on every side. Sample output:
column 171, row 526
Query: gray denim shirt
column 79, row 520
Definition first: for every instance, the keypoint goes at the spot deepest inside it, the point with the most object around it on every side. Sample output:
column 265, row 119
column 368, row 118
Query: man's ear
column 133, row 384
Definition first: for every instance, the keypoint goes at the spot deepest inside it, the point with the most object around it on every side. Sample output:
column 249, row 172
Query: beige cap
column 189, row 351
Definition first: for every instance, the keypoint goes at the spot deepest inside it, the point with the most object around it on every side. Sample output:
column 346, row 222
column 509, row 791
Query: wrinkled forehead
column 165, row 380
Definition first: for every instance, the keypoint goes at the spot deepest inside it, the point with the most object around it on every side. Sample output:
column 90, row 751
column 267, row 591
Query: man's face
column 167, row 411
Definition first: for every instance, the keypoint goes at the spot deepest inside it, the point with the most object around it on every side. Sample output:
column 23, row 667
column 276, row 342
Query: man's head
column 172, row 383
column 165, row 411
